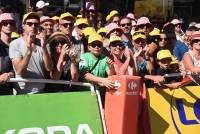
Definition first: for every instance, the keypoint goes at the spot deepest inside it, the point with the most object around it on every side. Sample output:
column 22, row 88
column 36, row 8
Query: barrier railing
column 92, row 89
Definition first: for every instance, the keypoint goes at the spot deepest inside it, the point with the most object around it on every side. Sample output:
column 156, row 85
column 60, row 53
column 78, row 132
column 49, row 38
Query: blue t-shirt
column 180, row 49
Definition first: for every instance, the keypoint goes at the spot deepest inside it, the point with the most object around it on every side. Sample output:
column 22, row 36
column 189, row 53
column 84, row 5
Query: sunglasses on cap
column 67, row 24
column 6, row 22
column 115, row 44
column 125, row 24
column 196, row 40
column 99, row 45
column 30, row 24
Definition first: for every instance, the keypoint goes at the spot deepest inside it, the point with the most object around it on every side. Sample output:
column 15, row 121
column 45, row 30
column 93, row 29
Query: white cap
column 40, row 4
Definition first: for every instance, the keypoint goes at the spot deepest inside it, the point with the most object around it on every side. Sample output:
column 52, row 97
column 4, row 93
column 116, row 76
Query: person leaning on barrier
column 29, row 56
column 191, row 59
column 65, row 60
column 122, row 56
column 95, row 67
column 7, row 25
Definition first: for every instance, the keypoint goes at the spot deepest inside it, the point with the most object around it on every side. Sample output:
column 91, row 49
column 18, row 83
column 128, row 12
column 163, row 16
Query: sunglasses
column 30, row 24
column 82, row 26
column 144, row 25
column 5, row 23
column 125, row 24
column 56, row 43
column 136, row 33
column 137, row 41
column 196, row 41
column 117, row 44
column 67, row 24
column 161, row 39
column 50, row 25
column 99, row 45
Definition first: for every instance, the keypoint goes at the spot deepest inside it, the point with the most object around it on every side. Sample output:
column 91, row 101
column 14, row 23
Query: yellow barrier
column 174, row 111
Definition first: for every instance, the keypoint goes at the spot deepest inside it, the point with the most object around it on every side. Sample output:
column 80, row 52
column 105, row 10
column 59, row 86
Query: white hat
column 40, row 4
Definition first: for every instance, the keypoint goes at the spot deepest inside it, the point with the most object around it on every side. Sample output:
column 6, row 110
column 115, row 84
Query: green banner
column 56, row 113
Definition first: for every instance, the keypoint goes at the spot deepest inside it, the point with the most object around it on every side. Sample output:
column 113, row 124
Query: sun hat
column 55, row 18
column 196, row 35
column 81, row 21
column 27, row 15
column 142, row 21
column 94, row 37
column 174, row 60
column 111, row 26
column 162, row 54
column 101, row 30
column 115, row 39
column 155, row 32
column 176, row 21
column 40, row 4
column 88, row 31
column 113, row 13
column 89, row 6
column 6, row 16
column 15, row 35
column 66, row 15
column 45, row 18
column 58, row 35
column 136, row 35
column 130, row 16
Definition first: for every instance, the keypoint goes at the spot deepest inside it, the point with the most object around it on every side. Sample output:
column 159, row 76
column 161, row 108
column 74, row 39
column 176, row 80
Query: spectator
column 56, row 23
column 163, row 41
column 177, row 29
column 42, row 8
column 191, row 59
column 164, row 59
column 64, row 59
column 95, row 67
column 122, row 56
column 29, row 56
column 7, row 25
column 113, row 17
column 104, row 66
column 47, row 24
column 144, row 25
column 125, row 25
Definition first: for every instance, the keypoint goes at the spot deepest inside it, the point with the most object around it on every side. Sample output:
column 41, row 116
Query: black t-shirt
column 5, row 67
column 162, row 72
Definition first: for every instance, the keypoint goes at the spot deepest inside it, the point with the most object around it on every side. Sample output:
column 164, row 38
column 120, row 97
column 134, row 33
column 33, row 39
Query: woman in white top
column 191, row 59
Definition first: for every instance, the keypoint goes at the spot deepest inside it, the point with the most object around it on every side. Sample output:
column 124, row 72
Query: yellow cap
column 155, row 32
column 114, row 39
column 94, row 37
column 30, row 14
column 79, row 16
column 113, row 13
column 174, row 60
column 66, row 15
column 15, row 35
column 81, row 21
column 163, row 54
column 137, row 35
column 101, row 30
column 55, row 18
column 88, row 31
column 108, row 17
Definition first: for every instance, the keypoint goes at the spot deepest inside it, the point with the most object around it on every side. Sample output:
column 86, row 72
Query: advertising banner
column 174, row 111
column 56, row 113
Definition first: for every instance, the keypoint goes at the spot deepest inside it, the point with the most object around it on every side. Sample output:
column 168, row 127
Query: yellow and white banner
column 174, row 111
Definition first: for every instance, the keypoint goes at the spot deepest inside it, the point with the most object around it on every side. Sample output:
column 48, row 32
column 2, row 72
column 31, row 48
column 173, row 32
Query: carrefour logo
column 133, row 90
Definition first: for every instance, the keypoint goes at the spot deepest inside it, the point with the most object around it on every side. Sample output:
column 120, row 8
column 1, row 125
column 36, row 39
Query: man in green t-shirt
column 94, row 66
